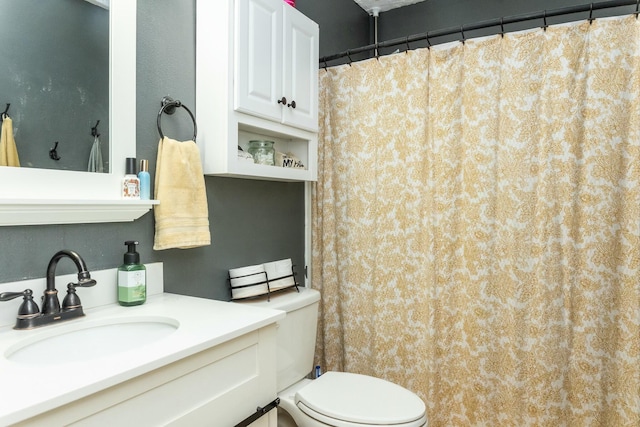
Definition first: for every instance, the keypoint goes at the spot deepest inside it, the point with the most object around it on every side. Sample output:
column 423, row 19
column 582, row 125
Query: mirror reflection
column 54, row 73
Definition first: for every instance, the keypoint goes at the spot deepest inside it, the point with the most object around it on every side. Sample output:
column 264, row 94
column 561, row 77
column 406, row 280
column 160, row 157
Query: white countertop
column 27, row 390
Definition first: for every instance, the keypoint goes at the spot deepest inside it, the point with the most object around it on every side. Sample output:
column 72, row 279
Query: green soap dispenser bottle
column 132, row 278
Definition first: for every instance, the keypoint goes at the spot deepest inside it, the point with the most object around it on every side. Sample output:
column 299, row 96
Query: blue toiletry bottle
column 145, row 180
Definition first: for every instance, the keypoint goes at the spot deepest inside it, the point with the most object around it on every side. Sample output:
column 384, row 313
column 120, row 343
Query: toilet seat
column 343, row 399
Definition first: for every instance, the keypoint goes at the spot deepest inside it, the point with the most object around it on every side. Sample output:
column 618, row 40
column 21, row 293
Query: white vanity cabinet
column 219, row 386
column 256, row 78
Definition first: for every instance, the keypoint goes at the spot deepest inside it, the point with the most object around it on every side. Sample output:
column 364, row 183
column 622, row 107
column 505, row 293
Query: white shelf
column 48, row 211
column 271, row 173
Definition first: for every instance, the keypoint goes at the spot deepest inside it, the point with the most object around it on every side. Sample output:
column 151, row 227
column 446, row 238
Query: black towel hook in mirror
column 169, row 105
column 94, row 130
column 53, row 153
column 5, row 113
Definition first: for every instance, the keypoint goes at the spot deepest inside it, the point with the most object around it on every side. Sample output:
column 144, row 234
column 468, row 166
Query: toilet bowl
column 341, row 399
column 335, row 399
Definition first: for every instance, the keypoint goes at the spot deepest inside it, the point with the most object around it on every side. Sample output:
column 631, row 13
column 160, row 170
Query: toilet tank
column 296, row 333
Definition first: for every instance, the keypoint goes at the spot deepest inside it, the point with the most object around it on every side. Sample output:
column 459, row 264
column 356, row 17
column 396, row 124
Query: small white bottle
column 130, row 182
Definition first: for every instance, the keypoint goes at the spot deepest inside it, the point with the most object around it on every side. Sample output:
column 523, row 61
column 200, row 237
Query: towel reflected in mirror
column 8, row 150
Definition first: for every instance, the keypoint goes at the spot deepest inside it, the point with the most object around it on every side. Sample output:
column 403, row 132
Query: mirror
column 30, row 195
column 55, row 76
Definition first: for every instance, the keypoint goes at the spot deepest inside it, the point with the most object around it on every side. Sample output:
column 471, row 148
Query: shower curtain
column 476, row 225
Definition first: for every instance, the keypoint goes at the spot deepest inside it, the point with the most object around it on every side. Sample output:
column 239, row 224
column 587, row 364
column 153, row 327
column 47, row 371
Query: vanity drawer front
column 219, row 386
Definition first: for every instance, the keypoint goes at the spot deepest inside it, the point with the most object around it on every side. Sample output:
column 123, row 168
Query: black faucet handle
column 28, row 306
column 71, row 300
column 8, row 296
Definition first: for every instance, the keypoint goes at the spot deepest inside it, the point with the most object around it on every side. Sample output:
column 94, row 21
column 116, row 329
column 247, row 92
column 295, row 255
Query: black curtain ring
column 544, row 18
column 462, row 33
column 349, row 56
column 325, row 63
column 169, row 106
column 502, row 27
column 428, row 41
column 591, row 13
column 406, row 41
column 637, row 8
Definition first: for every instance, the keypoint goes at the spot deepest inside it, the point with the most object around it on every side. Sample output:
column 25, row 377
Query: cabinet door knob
column 292, row 105
column 282, row 101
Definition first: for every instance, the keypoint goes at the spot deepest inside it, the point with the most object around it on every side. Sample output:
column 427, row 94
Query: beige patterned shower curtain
column 476, row 225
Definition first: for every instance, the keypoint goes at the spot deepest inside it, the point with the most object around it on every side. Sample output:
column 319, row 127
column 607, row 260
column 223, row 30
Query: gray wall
column 343, row 24
column 251, row 221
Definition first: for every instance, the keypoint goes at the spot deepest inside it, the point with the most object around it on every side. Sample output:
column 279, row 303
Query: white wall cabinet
column 255, row 61
column 277, row 63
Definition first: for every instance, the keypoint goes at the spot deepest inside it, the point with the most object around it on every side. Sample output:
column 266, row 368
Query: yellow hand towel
column 182, row 217
column 8, row 150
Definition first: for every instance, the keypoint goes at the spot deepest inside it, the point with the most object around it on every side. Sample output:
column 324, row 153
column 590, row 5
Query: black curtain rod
column 499, row 22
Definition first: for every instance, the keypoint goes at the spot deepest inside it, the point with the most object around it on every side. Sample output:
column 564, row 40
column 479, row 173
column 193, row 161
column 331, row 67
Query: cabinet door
column 269, row 420
column 300, row 70
column 258, row 58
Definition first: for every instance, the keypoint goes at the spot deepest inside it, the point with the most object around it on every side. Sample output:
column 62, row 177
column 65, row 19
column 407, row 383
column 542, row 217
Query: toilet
column 336, row 399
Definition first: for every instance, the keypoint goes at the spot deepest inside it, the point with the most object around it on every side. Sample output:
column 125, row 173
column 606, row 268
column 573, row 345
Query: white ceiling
column 384, row 5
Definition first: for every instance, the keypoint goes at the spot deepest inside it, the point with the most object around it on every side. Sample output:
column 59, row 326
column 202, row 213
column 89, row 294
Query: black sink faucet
column 29, row 316
column 50, row 302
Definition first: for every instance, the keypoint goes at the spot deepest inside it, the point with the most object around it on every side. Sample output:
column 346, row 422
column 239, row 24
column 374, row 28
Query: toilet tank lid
column 288, row 300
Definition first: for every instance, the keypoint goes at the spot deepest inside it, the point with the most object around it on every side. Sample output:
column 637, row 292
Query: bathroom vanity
column 176, row 360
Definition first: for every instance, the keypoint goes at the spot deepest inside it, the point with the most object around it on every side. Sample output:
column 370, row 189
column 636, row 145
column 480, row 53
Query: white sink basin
column 86, row 341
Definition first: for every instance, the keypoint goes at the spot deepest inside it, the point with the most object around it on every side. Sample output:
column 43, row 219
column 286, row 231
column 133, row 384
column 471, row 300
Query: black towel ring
column 169, row 106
